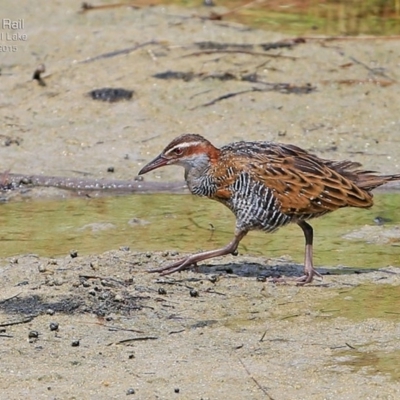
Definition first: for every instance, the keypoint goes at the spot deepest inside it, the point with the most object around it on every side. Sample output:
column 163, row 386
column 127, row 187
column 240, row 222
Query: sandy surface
column 241, row 338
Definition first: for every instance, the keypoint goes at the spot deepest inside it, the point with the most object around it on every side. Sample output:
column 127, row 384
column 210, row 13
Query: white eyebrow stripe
column 183, row 146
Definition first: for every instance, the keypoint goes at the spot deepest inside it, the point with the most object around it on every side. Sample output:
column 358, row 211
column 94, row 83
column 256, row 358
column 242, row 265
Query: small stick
column 89, row 7
column 263, row 336
column 251, row 53
column 255, row 380
column 373, row 71
column 21, row 321
column 116, row 329
column 136, row 339
column 119, row 52
column 224, row 97
column 173, row 332
column 348, row 38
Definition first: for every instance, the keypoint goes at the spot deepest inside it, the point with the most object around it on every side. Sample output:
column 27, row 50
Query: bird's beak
column 158, row 162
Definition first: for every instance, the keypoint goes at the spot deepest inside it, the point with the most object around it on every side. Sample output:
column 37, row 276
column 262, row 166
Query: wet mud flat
column 77, row 327
column 100, row 326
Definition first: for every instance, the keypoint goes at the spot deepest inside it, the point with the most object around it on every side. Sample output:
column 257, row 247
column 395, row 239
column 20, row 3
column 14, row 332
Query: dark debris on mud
column 109, row 284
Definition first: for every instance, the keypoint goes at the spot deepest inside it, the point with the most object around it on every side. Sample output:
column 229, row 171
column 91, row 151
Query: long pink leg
column 309, row 271
column 189, row 261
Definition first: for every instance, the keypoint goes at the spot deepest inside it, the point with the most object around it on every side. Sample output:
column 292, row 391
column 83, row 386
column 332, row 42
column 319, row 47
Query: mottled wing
column 301, row 182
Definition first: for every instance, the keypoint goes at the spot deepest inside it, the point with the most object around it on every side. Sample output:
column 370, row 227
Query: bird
column 266, row 185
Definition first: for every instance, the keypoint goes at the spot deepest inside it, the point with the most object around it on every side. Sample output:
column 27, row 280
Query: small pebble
column 148, row 254
column 92, row 292
column 73, row 253
column 102, row 296
column 209, row 3
column 94, row 265
column 75, row 343
column 194, row 293
column 139, row 178
column 86, row 283
column 110, row 169
column 50, row 311
column 261, row 278
column 131, row 356
column 125, row 248
column 174, row 253
column 2, row 330
column 58, row 281
column 33, row 334
column 130, row 391
column 161, row 290
column 165, row 253
column 54, row 326
column 213, row 278
column 118, row 297
column 176, row 390
column 42, row 268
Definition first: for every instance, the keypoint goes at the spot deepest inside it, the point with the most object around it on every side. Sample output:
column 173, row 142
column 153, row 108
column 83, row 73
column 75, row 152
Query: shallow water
column 185, row 223
column 372, row 363
column 365, row 301
column 311, row 17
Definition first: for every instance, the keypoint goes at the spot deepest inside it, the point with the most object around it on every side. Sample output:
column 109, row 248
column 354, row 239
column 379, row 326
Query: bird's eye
column 178, row 151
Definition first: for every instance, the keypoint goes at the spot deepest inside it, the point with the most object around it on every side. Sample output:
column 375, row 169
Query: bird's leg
column 187, row 262
column 309, row 271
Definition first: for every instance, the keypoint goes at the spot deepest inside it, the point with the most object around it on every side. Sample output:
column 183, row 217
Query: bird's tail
column 369, row 181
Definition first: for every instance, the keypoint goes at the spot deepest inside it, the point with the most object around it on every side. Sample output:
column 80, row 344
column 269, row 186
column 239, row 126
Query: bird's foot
column 180, row 265
column 308, row 277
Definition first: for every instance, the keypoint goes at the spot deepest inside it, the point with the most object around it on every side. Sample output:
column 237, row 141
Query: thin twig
column 224, row 97
column 88, row 7
column 135, row 339
column 255, row 380
column 373, row 71
column 173, row 332
column 349, row 38
column 21, row 321
column 119, row 52
column 116, row 329
column 379, row 82
column 249, row 52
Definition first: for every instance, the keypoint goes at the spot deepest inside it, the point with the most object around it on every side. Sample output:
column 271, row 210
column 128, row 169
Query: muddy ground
column 221, row 332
